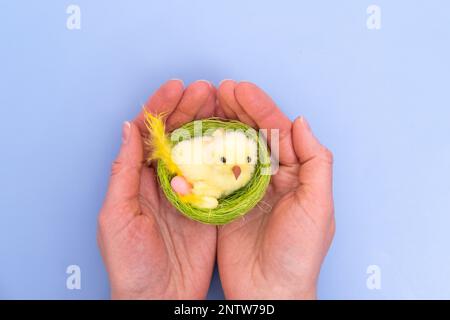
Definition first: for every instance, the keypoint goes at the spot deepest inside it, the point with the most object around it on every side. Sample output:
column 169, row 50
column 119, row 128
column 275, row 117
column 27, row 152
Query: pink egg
column 180, row 185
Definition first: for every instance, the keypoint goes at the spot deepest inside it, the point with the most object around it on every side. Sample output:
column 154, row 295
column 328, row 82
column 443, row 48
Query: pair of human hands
column 151, row 251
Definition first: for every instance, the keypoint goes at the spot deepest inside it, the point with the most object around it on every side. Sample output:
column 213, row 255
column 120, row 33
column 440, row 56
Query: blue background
column 379, row 99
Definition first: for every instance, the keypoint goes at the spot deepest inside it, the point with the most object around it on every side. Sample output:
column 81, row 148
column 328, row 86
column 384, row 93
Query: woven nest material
column 239, row 202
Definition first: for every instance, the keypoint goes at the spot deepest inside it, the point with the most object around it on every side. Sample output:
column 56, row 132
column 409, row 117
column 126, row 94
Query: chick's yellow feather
column 161, row 148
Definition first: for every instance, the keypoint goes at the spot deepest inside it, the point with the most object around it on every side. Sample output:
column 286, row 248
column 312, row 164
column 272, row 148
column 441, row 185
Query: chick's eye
column 223, row 159
column 249, row 159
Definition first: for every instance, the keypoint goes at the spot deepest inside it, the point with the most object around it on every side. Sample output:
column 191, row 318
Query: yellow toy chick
column 206, row 167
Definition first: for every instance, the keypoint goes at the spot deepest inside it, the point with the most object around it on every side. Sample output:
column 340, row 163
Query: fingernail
column 304, row 122
column 220, row 83
column 126, row 129
column 206, row 81
column 179, row 80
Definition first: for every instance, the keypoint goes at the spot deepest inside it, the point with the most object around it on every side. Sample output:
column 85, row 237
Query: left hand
column 151, row 251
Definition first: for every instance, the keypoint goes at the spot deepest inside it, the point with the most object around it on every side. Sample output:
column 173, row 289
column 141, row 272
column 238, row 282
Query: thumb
column 124, row 184
column 316, row 163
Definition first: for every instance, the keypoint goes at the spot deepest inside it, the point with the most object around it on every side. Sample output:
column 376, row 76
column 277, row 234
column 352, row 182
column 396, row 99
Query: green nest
column 237, row 203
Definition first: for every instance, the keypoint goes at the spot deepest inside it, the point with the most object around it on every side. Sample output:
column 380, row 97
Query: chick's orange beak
column 236, row 171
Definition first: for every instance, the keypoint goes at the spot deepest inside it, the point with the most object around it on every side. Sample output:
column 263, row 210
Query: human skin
column 149, row 249
column 153, row 252
column 277, row 253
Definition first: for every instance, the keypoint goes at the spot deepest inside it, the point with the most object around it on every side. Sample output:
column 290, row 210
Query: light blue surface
column 378, row 98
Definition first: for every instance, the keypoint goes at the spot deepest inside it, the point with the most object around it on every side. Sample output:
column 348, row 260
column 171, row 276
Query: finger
column 207, row 110
column 194, row 97
column 230, row 105
column 225, row 92
column 123, row 192
column 264, row 112
column 164, row 100
column 218, row 111
column 316, row 162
